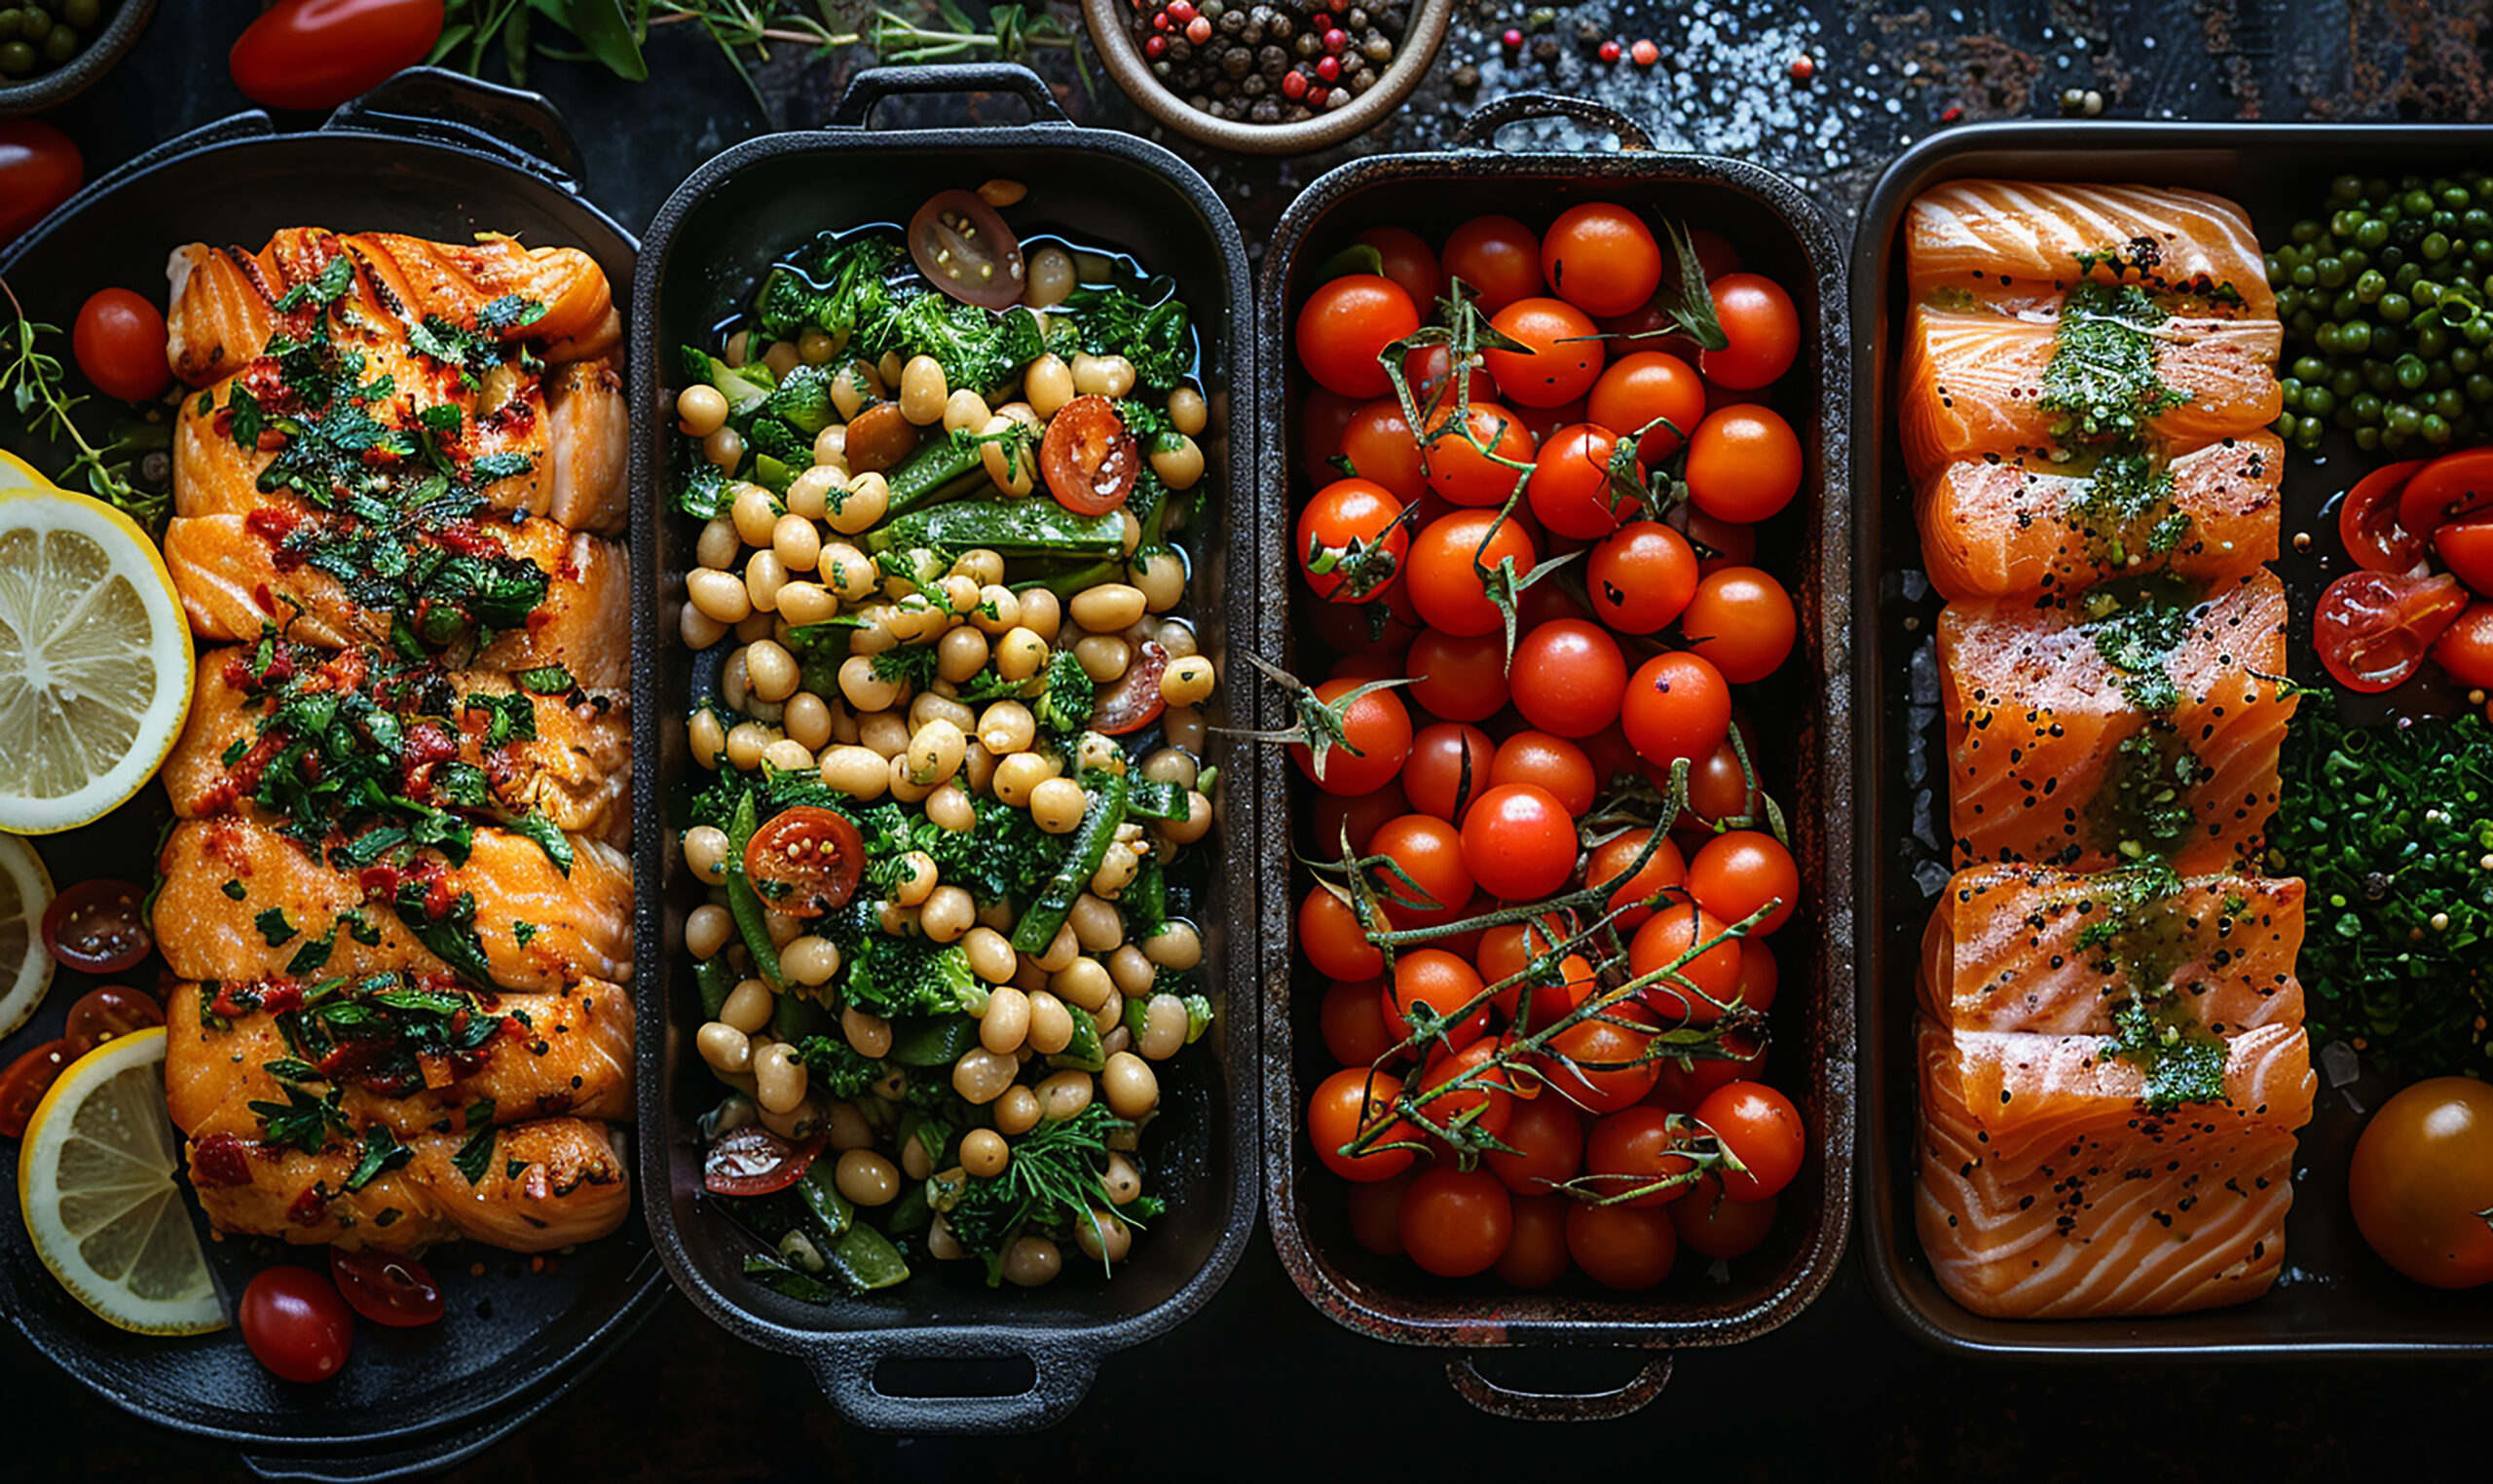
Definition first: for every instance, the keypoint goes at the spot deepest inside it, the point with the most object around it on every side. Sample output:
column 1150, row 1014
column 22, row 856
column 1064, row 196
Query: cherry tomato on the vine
column 1459, row 468
column 1562, row 358
column 1599, row 1062
column 1441, row 982
column 1741, row 619
column 1641, row 579
column 1375, row 737
column 1459, row 676
column 1602, row 258
column 1344, row 325
column 1627, row 1247
column 1548, row 1138
column 1697, row 989
column 1762, row 1130
column 1380, row 445
column 1456, row 1222
column 1331, row 936
column 1449, row 767
column 1743, row 463
column 1410, row 262
column 1635, row 1149
column 1648, row 391
column 1348, row 1105
column 1352, row 1023
column 1712, row 1225
column 1762, row 327
column 1548, row 761
column 1444, row 567
column 1498, row 257
column 1571, row 493
column 1635, row 898
column 1677, row 706
column 1352, row 539
column 1376, row 1213
column 1536, row 1254
column 1739, row 872
column 1519, row 842
column 1567, row 676
column 1429, row 884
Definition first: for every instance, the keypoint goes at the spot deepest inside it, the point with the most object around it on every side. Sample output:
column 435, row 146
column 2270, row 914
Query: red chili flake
column 1645, row 54
column 1952, row 114
column 1804, row 67
column 1198, row 30
column 218, row 1160
column 309, row 1206
column 1608, row 51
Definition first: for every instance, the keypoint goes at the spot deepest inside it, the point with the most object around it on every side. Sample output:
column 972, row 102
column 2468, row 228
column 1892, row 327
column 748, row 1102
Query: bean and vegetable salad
column 955, row 714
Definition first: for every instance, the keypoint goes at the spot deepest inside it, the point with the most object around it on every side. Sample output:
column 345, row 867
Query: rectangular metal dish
column 705, row 255
column 2335, row 1298
column 1805, row 718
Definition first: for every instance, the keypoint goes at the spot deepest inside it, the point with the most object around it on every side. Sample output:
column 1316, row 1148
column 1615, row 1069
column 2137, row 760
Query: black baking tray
column 440, row 156
column 894, row 1360
column 1805, row 717
column 2335, row 1298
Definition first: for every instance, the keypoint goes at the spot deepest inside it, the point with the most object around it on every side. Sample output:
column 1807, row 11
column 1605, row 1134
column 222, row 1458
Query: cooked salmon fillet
column 575, row 927
column 2015, row 244
column 572, row 764
column 2053, row 762
column 541, row 1185
column 234, row 580
column 221, row 310
column 2048, row 1191
column 544, row 1056
column 1973, row 385
column 2010, row 525
column 2029, row 949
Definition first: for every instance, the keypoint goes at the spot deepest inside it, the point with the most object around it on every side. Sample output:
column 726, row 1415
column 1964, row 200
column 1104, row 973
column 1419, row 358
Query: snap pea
column 743, row 903
column 1099, row 830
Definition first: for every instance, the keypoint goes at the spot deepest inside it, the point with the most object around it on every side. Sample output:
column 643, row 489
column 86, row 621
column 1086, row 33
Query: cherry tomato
column 1636, row 897
column 1088, row 459
column 295, row 1324
column 1562, row 357
column 1459, row 468
column 1677, row 706
column 1599, row 1065
column 1741, row 619
column 1658, row 395
column 1433, row 887
column 1759, row 974
column 1442, row 983
column 1375, row 737
column 1346, row 1107
column 1542, row 422
column 2422, row 1179
column 880, row 436
column 39, row 170
column 1484, row 1089
column 1444, row 571
column 1554, row 996
column 1716, row 255
column 1712, row 1225
column 1363, row 814
column 1566, row 677
column 2454, row 487
column 1632, row 1149
column 1762, row 1130
column 1548, row 1138
column 2374, row 628
column 805, row 862
column 1762, row 327
column 1323, row 419
column 2467, row 551
column 1536, row 1254
column 2465, row 648
column 1626, row 1248
column 1459, row 676
column 1570, row 490
column 1409, row 262
column 1429, row 371
column 396, row 1291
column 1719, row 543
column 24, row 1084
column 99, row 1015
column 1602, row 258
column 317, row 53
column 1380, row 445
column 1449, row 769
column 1133, row 700
column 1743, row 463
column 1497, row 257
column 1331, row 936
column 1519, row 842
column 1456, row 1222
column 964, row 250
column 2368, row 520
column 1508, row 949
column 1352, row 539
column 1372, row 629
column 120, row 343
column 1549, row 762
column 1352, row 1023
column 1682, row 1086
column 1376, row 1215
column 753, row 1161
column 95, row 927
column 1698, row 990
column 1642, row 578
column 1739, row 872
column 1345, row 325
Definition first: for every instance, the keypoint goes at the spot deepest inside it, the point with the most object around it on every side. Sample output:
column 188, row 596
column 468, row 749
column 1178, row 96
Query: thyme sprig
column 34, row 381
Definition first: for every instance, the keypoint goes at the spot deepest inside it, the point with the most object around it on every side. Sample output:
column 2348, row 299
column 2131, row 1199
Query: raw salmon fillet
column 542, row 1184
column 217, row 1063
column 577, row 926
column 2010, row 525
column 2038, row 719
column 2023, row 949
column 2015, row 243
column 2048, row 1191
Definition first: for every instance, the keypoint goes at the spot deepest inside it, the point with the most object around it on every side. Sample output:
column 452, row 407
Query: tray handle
column 400, row 1459
column 1479, row 130
column 871, row 86
column 846, row 1374
column 1630, row 1396
column 440, row 106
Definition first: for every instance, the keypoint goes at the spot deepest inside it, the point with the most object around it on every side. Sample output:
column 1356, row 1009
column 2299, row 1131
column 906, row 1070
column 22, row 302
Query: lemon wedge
column 94, row 660
column 97, row 1179
column 26, row 969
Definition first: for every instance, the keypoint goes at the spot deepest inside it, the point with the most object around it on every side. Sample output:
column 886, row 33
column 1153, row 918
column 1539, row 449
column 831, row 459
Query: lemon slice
column 97, row 1180
column 26, row 969
column 94, row 660
column 15, row 473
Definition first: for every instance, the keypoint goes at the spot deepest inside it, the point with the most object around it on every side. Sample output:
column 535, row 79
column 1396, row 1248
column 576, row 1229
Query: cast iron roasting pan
column 440, row 156
column 944, row 1352
column 1805, row 723
column 2336, row 1299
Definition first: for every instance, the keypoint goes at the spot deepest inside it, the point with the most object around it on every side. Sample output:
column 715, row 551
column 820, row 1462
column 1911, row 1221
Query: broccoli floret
column 1064, row 707
column 801, row 401
column 890, row 976
column 1004, row 855
column 1156, row 338
column 745, row 387
column 843, row 286
column 1054, row 1180
column 978, row 349
column 835, row 1068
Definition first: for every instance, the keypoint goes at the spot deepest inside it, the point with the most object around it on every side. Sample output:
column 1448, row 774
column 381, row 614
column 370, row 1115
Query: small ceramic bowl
column 42, row 89
column 1116, row 47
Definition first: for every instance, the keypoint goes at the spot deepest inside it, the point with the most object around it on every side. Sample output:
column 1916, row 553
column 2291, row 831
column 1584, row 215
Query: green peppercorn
column 16, row 59
column 60, row 46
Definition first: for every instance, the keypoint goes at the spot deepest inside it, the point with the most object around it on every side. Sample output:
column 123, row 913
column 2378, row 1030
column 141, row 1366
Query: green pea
column 2370, row 285
column 2289, row 394
column 2432, row 342
column 2451, row 402
column 2304, row 232
column 2453, row 197
column 2402, row 419
column 2464, row 359
column 9, row 18
column 2330, row 272
column 2346, row 382
column 2368, row 438
column 2346, row 188
column 2435, row 429
column 2417, row 202
column 2394, row 308
column 2305, row 277
column 2387, row 339
column 2372, row 235
column 2479, row 387
column 2285, row 426
column 2319, row 401
column 34, row 24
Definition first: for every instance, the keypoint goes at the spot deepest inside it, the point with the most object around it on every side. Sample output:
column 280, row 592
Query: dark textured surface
column 1259, row 1382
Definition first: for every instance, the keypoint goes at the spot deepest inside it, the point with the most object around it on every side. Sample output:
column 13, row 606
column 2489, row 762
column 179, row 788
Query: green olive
column 60, row 46
column 16, row 59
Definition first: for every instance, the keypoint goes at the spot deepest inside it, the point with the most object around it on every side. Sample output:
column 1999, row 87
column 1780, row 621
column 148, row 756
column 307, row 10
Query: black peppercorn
column 1281, row 27
column 1266, row 111
column 1467, row 77
column 1544, row 48
column 1377, row 48
column 1181, row 50
column 1236, row 62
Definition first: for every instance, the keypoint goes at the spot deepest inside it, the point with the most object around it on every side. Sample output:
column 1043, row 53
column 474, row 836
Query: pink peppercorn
column 1610, row 50
column 1336, row 39
column 1160, row 21
column 1181, row 11
column 1512, row 39
column 1317, row 94
column 1645, row 54
column 1154, row 45
column 1328, row 67
column 1804, row 68
column 1198, row 30
column 1295, row 85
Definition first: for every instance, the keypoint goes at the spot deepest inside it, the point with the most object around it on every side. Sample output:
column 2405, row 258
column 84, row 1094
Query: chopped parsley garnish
column 2184, row 1061
column 381, row 1151
column 235, row 891
column 275, row 928
column 2101, row 377
column 544, row 680
column 476, row 1156
column 305, row 1121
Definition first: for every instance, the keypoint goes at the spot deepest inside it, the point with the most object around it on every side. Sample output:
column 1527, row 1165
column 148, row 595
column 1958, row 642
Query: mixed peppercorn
column 1278, row 63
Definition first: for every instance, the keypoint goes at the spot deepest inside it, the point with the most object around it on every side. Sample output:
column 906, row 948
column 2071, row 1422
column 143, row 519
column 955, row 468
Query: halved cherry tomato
column 295, row 1324
column 115, row 1010
column 396, row 1291
column 119, row 343
column 95, row 927
column 1133, row 701
column 805, row 862
column 39, row 170
column 2455, row 487
column 2467, row 551
column 1090, row 461
column 2465, row 648
column 2374, row 628
column 1352, row 539
column 965, row 250
column 1409, row 262
column 317, row 53
column 1343, row 326
column 24, row 1084
column 2368, row 520
column 1497, row 257
column 753, row 1161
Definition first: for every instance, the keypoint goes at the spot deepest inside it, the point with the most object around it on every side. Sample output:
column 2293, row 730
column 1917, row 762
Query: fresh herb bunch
column 2392, row 828
column 34, row 379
